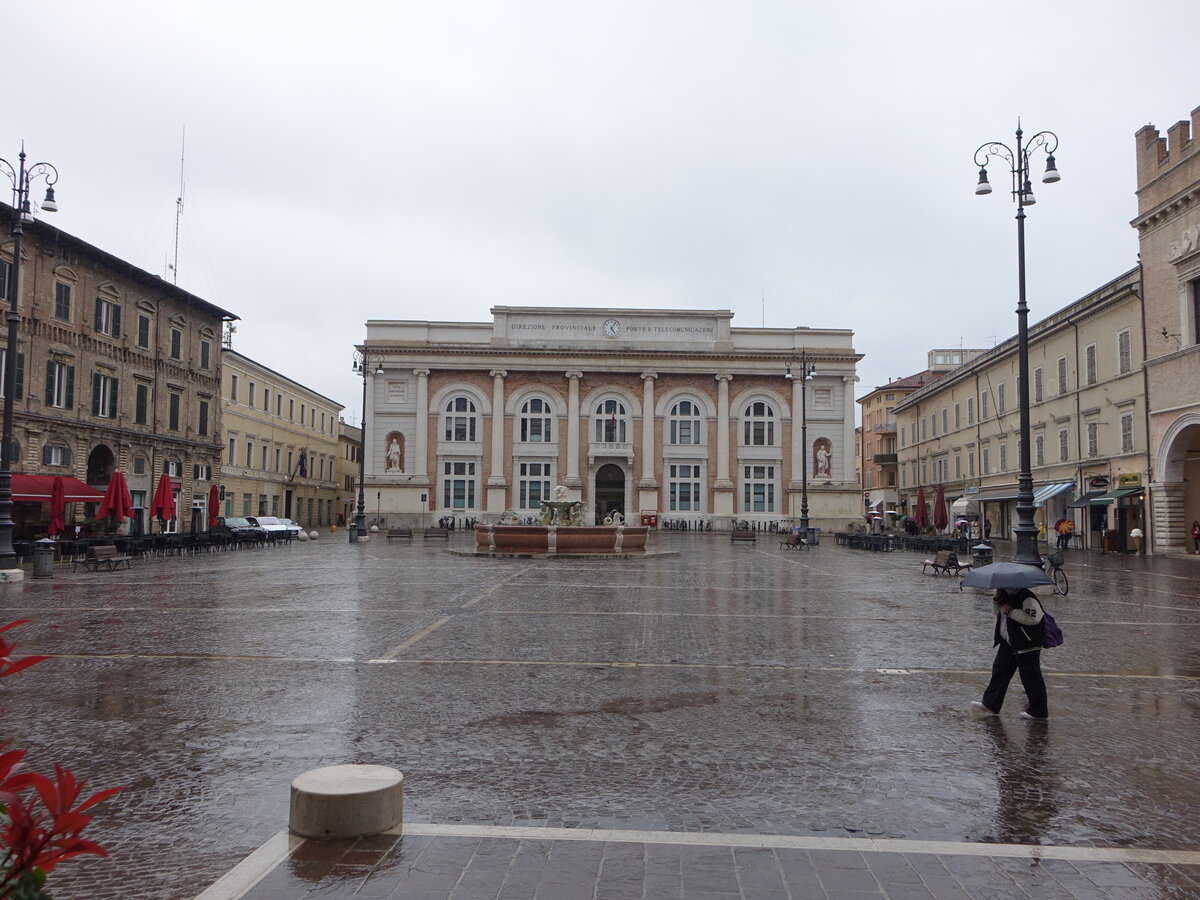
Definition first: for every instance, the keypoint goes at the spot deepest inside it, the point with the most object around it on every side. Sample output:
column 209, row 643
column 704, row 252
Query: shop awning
column 993, row 495
column 1053, row 489
column 963, row 505
column 1116, row 495
column 1084, row 501
column 36, row 489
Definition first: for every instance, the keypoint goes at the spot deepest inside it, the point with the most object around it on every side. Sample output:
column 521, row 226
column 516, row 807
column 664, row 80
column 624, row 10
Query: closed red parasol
column 920, row 514
column 214, row 498
column 163, row 506
column 58, row 505
column 117, row 503
column 940, row 518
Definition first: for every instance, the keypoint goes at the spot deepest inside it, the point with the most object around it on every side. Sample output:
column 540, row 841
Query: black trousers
column 1004, row 667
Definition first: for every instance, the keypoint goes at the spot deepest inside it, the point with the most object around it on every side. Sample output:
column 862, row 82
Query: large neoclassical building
column 672, row 413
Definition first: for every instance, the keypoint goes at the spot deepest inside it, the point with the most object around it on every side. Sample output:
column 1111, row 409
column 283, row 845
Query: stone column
column 496, row 484
column 572, row 479
column 723, row 486
column 798, row 448
column 648, row 484
column 841, row 455
column 1171, row 530
column 422, row 426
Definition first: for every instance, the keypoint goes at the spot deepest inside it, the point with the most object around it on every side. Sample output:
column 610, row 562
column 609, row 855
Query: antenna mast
column 179, row 208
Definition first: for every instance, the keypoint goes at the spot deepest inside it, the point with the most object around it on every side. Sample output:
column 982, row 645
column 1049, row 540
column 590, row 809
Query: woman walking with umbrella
column 1018, row 635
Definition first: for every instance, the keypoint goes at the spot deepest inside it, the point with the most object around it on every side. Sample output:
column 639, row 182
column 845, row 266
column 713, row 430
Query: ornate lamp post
column 362, row 365
column 806, row 369
column 21, row 177
column 1022, row 191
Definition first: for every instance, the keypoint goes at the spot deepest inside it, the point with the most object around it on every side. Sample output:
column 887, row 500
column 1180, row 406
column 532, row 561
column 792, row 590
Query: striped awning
column 1053, row 489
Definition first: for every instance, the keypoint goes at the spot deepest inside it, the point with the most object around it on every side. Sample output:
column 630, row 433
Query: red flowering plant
column 41, row 818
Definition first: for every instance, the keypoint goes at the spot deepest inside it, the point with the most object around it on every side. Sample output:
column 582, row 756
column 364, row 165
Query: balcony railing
column 888, row 427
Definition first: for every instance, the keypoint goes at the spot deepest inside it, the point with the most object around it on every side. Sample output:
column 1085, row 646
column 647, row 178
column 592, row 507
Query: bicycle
column 1052, row 566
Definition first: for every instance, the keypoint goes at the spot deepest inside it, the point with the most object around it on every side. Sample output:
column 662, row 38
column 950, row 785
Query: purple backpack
column 1052, row 635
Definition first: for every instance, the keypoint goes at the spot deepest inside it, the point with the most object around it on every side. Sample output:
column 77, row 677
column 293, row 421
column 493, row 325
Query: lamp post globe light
column 362, row 366
column 1022, row 191
column 22, row 177
column 805, row 369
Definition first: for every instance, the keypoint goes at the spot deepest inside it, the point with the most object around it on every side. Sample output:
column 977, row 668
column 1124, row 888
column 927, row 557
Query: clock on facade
column 611, row 328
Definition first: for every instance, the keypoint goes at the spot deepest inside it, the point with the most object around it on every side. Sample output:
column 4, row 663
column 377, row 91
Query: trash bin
column 814, row 536
column 353, row 532
column 981, row 555
column 43, row 558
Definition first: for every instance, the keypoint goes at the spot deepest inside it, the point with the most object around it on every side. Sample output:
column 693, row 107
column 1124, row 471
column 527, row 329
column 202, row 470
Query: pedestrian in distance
column 987, row 529
column 1018, row 639
column 1065, row 528
column 1196, row 534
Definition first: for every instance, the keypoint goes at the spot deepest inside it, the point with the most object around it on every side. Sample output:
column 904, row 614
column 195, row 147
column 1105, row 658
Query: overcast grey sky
column 430, row 160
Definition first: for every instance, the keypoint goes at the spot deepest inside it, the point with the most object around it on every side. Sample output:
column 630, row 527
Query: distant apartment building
column 346, row 472
column 1168, row 226
column 879, row 462
column 281, row 445
column 1088, row 449
column 117, row 370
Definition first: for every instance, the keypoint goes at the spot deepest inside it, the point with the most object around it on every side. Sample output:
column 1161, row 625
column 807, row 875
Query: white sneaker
column 979, row 707
column 1026, row 715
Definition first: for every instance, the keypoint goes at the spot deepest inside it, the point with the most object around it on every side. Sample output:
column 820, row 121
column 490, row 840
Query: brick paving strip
column 344, row 860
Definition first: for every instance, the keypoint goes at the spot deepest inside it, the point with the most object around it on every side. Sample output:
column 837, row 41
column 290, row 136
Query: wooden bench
column 442, row 533
column 740, row 535
column 404, row 534
column 945, row 562
column 105, row 555
column 794, row 542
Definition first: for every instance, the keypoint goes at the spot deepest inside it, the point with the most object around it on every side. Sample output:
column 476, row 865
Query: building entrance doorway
column 610, row 491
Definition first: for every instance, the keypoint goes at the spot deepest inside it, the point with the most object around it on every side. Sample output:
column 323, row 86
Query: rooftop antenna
column 179, row 208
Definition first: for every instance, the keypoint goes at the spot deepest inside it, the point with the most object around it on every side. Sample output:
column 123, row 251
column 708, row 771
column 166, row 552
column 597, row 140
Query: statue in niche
column 822, row 458
column 395, row 452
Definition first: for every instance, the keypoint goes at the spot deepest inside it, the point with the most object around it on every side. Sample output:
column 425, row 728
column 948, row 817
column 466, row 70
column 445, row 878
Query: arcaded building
column 1168, row 226
column 668, row 413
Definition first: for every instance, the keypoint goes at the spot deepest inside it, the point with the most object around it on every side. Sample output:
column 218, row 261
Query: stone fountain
column 560, row 532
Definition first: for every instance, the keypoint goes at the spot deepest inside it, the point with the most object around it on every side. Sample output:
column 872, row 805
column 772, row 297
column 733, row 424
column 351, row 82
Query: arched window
column 460, row 420
column 610, row 422
column 535, row 421
column 758, row 425
column 685, row 423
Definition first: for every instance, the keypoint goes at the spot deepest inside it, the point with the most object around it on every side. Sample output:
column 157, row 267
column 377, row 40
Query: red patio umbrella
column 58, row 505
column 116, row 503
column 940, row 519
column 214, row 498
column 920, row 514
column 163, row 505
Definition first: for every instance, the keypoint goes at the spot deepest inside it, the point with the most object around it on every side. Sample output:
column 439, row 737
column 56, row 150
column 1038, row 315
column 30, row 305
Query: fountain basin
column 552, row 540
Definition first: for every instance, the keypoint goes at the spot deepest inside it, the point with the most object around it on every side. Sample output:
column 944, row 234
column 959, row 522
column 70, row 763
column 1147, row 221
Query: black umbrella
column 1007, row 575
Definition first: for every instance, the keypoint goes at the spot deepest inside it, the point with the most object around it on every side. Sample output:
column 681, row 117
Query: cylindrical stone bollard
column 346, row 801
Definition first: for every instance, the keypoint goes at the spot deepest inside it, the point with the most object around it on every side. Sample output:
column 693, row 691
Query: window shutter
column 49, row 382
column 116, row 320
column 70, row 402
column 112, row 399
column 47, row 454
column 99, row 313
column 66, row 456
column 19, row 379
column 95, row 393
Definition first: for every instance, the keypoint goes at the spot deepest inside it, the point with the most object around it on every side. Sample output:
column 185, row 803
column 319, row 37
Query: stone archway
column 610, row 491
column 100, row 465
column 1176, row 490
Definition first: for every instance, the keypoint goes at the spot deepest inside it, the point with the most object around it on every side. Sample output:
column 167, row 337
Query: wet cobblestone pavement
column 733, row 690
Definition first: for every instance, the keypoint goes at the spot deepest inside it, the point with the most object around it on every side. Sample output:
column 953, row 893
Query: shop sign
column 1133, row 479
column 1099, row 482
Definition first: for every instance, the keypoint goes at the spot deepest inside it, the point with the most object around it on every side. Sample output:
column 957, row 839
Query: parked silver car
column 271, row 524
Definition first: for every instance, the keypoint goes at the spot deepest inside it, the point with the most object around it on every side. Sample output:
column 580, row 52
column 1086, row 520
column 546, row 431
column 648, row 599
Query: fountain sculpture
column 560, row 532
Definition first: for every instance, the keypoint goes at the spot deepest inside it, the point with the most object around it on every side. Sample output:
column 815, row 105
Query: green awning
column 1116, row 495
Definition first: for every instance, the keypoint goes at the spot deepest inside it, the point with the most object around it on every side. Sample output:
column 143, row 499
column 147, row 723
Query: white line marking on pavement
column 799, row 842
column 254, row 868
